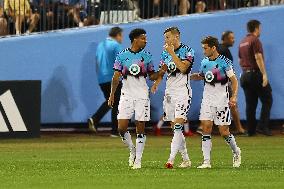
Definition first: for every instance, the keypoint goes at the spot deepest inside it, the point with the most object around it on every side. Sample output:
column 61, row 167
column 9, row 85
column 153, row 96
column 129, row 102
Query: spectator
column 276, row 2
column 200, row 7
column 3, row 22
column 254, row 79
column 213, row 5
column 18, row 10
column 44, row 10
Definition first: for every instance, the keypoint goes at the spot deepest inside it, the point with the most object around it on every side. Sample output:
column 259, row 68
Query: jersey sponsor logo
column 134, row 69
column 172, row 67
column 209, row 76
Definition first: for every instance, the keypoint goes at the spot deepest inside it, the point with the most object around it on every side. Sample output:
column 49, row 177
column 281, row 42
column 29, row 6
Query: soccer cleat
column 169, row 165
column 91, row 125
column 136, row 165
column 185, row 164
column 237, row 159
column 205, row 165
column 131, row 159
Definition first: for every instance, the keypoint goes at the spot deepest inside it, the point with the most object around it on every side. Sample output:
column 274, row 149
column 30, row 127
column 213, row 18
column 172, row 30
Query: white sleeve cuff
column 230, row 73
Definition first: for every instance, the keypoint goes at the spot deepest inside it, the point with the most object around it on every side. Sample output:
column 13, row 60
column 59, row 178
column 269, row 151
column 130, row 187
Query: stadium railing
column 26, row 16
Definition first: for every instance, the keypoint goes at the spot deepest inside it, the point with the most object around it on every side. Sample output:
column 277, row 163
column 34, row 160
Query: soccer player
column 216, row 70
column 134, row 64
column 178, row 58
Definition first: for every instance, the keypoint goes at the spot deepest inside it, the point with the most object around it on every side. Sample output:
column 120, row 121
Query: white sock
column 176, row 141
column 206, row 147
column 160, row 124
column 186, row 127
column 126, row 139
column 231, row 141
column 183, row 150
column 140, row 143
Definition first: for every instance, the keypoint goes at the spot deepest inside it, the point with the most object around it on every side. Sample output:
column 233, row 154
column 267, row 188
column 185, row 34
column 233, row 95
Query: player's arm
column 156, row 75
column 182, row 65
column 114, row 84
column 154, row 88
column 234, row 81
column 196, row 77
column 261, row 66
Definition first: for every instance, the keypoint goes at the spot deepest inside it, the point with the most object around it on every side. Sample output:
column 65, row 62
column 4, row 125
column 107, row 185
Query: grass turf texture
column 84, row 161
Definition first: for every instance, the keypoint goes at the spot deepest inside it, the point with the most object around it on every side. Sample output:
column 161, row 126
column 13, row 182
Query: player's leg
column 206, row 143
column 125, row 112
column 231, row 141
column 142, row 114
column 184, row 153
column 126, row 139
column 207, row 114
column 169, row 115
column 186, row 129
column 177, row 140
column 140, row 143
column 223, row 120
column 178, row 144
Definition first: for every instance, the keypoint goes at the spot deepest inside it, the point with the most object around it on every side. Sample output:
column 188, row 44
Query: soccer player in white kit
column 216, row 70
column 134, row 64
column 178, row 58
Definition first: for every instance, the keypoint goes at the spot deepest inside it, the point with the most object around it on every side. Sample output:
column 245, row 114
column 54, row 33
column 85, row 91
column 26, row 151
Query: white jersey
column 216, row 96
column 135, row 88
column 134, row 67
column 216, row 76
column 178, row 83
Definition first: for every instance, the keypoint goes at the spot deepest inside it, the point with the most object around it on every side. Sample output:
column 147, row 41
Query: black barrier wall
column 20, row 109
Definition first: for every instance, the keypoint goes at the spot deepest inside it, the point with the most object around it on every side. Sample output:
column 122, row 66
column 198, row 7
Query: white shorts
column 140, row 107
column 219, row 115
column 176, row 107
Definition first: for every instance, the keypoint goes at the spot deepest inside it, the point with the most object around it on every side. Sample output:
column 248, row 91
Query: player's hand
column 163, row 69
column 169, row 48
column 154, row 88
column 264, row 80
column 233, row 101
column 196, row 76
column 111, row 100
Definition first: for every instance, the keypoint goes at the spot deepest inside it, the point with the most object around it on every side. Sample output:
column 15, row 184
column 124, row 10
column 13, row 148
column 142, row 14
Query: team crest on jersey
column 209, row 76
column 172, row 67
column 134, row 69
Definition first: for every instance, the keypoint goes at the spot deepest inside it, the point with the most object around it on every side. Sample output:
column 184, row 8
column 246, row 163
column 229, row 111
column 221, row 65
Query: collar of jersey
column 215, row 58
column 134, row 51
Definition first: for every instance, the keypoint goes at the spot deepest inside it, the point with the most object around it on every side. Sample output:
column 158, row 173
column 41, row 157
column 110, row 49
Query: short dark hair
column 210, row 41
column 252, row 25
column 136, row 33
column 173, row 30
column 113, row 32
column 225, row 34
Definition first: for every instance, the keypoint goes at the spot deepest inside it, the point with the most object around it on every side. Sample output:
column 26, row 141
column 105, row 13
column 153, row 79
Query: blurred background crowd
column 26, row 16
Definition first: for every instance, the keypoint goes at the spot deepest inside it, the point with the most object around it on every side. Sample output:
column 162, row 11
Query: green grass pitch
column 87, row 161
